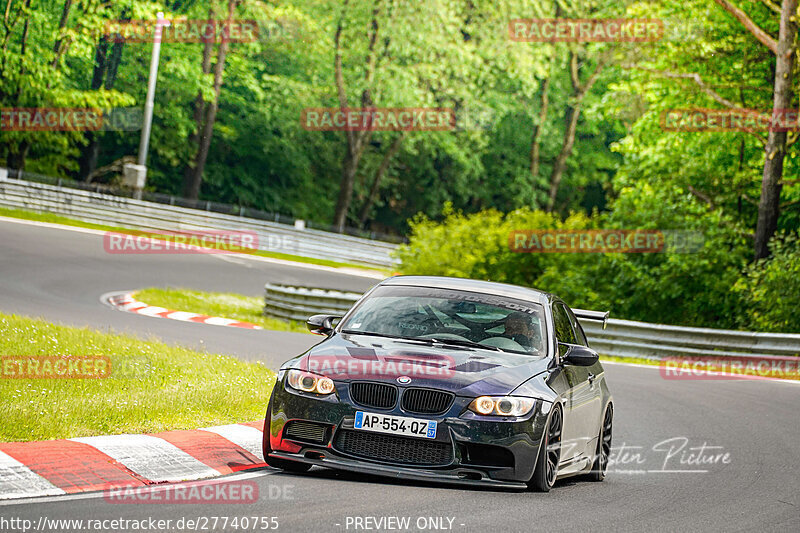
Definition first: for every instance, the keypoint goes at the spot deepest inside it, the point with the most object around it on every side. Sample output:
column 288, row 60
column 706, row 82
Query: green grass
column 60, row 219
column 152, row 386
column 630, row 360
column 651, row 362
column 53, row 219
column 221, row 304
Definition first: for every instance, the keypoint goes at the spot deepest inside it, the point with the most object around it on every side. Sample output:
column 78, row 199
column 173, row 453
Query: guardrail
column 299, row 303
column 621, row 338
column 111, row 210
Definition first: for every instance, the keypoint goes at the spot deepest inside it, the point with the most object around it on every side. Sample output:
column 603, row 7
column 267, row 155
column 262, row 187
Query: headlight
column 502, row 405
column 308, row 382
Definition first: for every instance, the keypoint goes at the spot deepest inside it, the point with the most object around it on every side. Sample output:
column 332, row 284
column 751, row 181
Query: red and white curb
column 55, row 467
column 126, row 302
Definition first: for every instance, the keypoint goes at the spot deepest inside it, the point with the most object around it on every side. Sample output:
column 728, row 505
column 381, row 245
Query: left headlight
column 308, row 382
column 502, row 405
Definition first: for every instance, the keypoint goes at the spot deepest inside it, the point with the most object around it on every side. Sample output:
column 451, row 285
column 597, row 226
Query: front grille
column 426, row 401
column 393, row 449
column 306, row 431
column 377, row 395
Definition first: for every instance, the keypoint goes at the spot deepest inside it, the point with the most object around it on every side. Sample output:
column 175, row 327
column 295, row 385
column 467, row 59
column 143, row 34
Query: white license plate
column 396, row 425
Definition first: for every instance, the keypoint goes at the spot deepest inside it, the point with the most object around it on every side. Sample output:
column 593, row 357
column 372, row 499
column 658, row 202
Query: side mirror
column 321, row 324
column 580, row 355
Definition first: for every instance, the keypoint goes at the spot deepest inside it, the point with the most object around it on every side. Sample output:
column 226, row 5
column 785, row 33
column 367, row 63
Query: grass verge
column 151, row 387
column 629, row 360
column 708, row 370
column 60, row 219
column 221, row 304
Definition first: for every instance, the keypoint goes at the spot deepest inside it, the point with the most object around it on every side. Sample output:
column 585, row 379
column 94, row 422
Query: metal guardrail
column 621, row 338
column 299, row 303
column 110, row 210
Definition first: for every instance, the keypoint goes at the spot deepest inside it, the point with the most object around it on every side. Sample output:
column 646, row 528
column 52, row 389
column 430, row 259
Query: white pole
column 144, row 142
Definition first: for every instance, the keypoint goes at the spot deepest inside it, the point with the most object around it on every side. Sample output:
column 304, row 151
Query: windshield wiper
column 460, row 342
column 425, row 340
column 387, row 335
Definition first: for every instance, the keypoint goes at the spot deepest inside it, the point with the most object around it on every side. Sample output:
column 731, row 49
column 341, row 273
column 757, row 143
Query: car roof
column 473, row 285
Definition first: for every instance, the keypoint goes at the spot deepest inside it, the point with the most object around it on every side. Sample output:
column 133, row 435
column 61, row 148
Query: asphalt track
column 60, row 275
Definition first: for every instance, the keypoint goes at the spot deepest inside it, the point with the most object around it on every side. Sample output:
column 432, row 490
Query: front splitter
column 455, row 477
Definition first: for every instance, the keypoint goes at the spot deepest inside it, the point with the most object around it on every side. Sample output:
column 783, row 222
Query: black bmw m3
column 446, row 380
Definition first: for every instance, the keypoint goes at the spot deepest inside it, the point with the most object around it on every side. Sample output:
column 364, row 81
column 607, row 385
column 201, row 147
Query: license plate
column 396, row 425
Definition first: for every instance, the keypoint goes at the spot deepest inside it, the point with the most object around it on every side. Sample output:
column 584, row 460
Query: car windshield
column 450, row 316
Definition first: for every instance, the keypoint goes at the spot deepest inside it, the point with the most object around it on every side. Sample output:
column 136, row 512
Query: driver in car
column 518, row 327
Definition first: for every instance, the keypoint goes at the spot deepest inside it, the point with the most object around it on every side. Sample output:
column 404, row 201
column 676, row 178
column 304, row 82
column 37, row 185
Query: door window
column 564, row 332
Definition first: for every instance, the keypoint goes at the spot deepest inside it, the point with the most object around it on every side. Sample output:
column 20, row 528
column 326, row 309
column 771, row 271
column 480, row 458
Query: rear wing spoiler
column 598, row 316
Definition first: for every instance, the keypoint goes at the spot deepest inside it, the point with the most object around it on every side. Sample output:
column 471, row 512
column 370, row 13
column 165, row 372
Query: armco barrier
column 299, row 303
column 622, row 338
column 110, row 210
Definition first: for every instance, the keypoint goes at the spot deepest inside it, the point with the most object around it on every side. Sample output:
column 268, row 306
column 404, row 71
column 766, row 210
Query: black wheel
column 544, row 476
column 600, row 466
column 266, row 449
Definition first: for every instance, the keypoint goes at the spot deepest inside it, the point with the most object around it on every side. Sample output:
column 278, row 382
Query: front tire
column 600, row 466
column 266, row 447
column 544, row 476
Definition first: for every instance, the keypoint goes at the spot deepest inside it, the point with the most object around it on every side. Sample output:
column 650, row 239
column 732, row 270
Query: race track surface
column 657, row 483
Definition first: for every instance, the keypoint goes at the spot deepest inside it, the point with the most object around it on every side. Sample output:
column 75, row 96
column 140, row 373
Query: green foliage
column 625, row 169
column 677, row 288
column 445, row 53
column 769, row 288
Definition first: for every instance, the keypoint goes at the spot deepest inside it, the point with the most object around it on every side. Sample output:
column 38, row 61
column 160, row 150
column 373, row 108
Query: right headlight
column 502, row 405
column 310, row 382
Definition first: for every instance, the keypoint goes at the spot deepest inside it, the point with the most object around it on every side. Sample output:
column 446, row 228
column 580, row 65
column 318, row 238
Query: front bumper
column 489, row 451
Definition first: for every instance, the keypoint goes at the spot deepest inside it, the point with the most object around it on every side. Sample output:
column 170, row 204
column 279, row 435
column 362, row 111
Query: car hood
column 462, row 370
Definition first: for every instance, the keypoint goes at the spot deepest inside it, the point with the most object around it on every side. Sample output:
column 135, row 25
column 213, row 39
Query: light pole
column 136, row 175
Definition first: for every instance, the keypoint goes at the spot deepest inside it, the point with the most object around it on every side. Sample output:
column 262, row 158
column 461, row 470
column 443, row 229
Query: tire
column 266, row 448
column 546, row 471
column 600, row 466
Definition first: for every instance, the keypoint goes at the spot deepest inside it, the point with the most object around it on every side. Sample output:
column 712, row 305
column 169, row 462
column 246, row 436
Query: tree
column 205, row 113
column 775, row 149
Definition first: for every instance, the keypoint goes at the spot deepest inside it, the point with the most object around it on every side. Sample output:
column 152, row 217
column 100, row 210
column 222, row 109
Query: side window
column 577, row 327
column 562, row 325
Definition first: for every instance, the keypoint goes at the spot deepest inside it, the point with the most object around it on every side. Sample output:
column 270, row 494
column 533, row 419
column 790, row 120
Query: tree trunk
column 537, row 129
column 89, row 153
column 200, row 110
column 571, row 116
column 775, row 150
column 105, row 67
column 61, row 25
column 543, row 108
column 349, row 167
column 100, row 55
column 384, row 166
column 16, row 158
column 113, row 64
column 356, row 140
column 206, row 115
